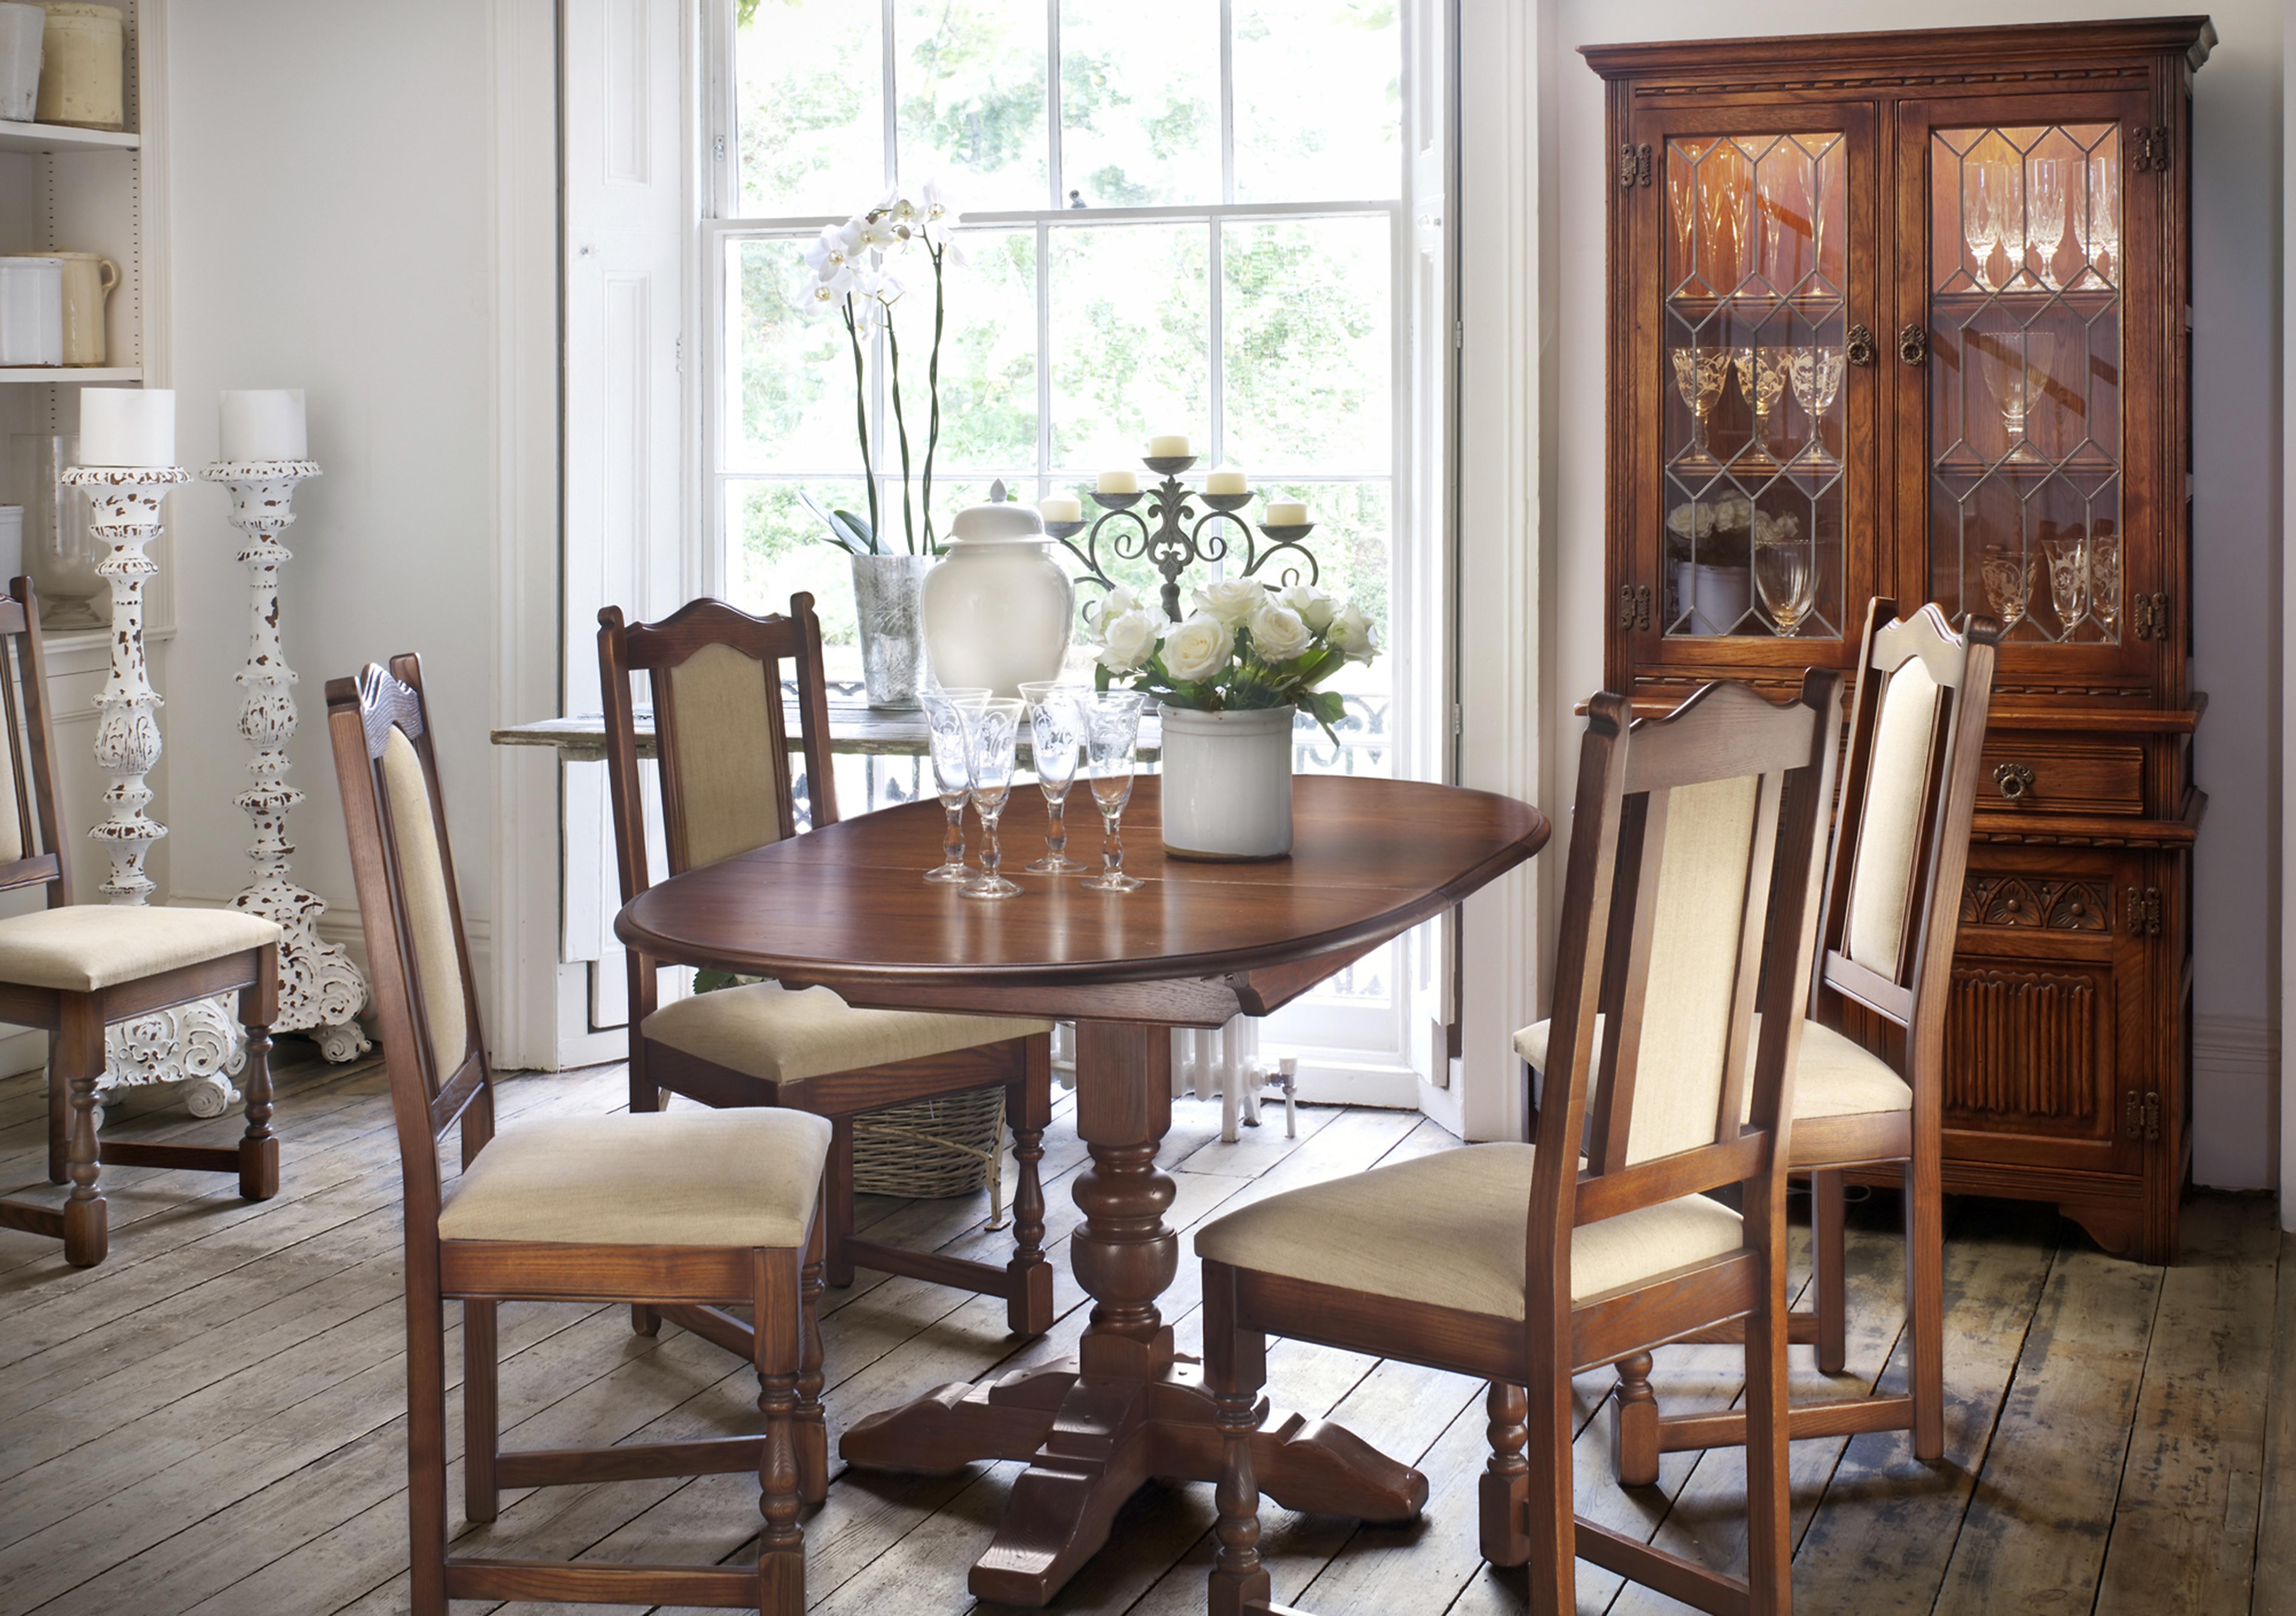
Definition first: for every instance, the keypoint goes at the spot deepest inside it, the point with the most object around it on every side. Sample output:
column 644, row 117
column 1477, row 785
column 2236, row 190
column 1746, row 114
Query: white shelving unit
column 43, row 376
column 43, row 138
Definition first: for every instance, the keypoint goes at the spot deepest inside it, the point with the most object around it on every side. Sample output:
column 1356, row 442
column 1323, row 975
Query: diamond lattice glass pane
column 1308, row 363
column 1140, row 102
column 1131, row 340
column 2025, row 378
column 809, row 100
column 1327, row 134
column 789, row 366
column 971, row 92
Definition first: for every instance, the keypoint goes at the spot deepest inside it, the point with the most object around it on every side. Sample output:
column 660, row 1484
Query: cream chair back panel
column 430, row 916
column 1696, row 937
column 728, row 790
column 1881, row 880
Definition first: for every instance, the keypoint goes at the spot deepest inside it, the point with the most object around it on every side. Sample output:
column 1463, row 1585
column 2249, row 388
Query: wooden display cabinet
column 1908, row 314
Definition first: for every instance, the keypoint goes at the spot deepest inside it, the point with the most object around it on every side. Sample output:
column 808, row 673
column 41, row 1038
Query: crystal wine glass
column 1978, row 205
column 2068, row 581
column 2096, row 225
column 1682, row 202
column 1761, row 378
column 1785, row 575
column 1700, row 375
column 1055, row 742
column 1815, row 375
column 2104, row 584
column 2051, row 183
column 1112, row 756
column 2006, row 181
column 2007, row 573
column 952, row 774
column 1723, row 202
column 992, row 738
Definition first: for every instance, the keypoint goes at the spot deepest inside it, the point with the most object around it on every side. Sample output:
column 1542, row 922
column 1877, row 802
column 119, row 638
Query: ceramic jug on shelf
column 89, row 278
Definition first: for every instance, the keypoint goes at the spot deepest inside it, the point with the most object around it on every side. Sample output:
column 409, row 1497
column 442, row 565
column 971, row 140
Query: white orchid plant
column 1245, row 647
column 854, row 272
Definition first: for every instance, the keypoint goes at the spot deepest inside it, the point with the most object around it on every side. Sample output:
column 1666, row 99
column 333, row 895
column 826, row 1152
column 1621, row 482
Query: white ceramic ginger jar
column 997, row 607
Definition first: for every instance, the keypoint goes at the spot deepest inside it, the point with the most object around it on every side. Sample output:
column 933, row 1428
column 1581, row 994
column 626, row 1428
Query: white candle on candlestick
column 1116, row 482
column 1286, row 513
column 264, row 424
column 1227, row 481
column 1061, row 510
column 1171, row 446
column 127, row 426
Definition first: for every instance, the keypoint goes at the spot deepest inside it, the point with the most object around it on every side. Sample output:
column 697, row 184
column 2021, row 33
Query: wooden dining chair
column 75, row 969
column 722, row 740
column 1693, row 864
column 1868, row 1095
column 690, row 1211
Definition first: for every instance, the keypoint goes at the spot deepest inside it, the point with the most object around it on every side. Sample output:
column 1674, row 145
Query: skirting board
column 2235, row 1110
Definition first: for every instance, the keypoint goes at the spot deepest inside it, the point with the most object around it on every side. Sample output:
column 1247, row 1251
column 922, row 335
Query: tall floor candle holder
column 199, row 1044
column 321, row 992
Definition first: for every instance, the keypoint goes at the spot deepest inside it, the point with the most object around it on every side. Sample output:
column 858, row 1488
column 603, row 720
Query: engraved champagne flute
column 2008, row 184
column 992, row 739
column 2067, row 561
column 2051, row 186
column 1815, row 373
column 1761, row 378
column 1977, row 205
column 1700, row 377
column 1111, row 754
column 1055, row 742
column 2096, row 227
column 2104, row 584
column 2007, row 574
column 952, row 774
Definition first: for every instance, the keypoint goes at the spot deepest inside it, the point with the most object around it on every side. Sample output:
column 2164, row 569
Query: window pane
column 1140, row 101
column 1309, row 371
column 1131, row 311
column 1318, row 101
column 774, row 547
column 988, row 358
column 972, row 88
column 1352, row 547
column 809, row 88
column 789, row 366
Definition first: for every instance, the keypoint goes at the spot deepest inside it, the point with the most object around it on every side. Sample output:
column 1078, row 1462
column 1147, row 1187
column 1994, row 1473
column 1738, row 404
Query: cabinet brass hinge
column 2144, row 911
column 2148, row 149
column 2149, row 615
column 1633, row 165
column 1634, row 606
column 2142, row 1114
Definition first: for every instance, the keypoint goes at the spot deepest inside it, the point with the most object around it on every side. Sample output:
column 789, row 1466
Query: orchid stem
column 908, row 521
column 861, row 420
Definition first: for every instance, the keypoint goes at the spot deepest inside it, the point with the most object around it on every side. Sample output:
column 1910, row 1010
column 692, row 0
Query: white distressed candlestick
column 201, row 1042
column 320, row 991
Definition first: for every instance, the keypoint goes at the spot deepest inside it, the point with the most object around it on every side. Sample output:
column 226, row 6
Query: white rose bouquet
column 1245, row 647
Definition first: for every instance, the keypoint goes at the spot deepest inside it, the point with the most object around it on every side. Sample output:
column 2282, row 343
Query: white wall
column 334, row 228
column 2237, row 519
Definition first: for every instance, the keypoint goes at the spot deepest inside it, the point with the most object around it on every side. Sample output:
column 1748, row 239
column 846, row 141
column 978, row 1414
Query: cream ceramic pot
column 1227, row 782
column 88, row 280
column 998, row 608
column 31, row 310
column 83, row 65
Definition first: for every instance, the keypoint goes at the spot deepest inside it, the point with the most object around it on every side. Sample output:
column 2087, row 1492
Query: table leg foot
column 954, row 1425
column 1099, row 1450
column 1310, row 1465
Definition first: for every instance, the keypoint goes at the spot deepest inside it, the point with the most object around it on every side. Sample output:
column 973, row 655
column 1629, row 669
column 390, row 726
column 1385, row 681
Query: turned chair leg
column 1827, row 1200
column 1634, row 1423
column 1029, row 1102
column 60, row 1122
column 79, row 1053
column 1506, row 1476
column 426, row 1445
column 779, row 1355
column 812, row 1422
column 258, row 1147
column 839, row 1259
column 1235, row 1368
column 481, row 1400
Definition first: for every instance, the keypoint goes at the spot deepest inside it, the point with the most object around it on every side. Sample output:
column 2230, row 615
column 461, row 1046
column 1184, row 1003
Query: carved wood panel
column 2021, row 1044
column 2035, row 902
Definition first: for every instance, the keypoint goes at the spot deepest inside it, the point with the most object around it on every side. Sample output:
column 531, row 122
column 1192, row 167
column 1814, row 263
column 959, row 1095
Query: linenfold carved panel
column 2021, row 1044
column 2036, row 902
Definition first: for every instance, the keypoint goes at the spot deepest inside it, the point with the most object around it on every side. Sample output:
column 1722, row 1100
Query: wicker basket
column 946, row 1146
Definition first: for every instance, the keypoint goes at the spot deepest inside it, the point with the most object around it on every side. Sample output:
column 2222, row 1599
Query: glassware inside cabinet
column 2024, row 377
column 1755, row 268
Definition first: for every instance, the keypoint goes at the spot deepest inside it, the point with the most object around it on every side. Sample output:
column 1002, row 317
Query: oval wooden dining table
column 846, row 905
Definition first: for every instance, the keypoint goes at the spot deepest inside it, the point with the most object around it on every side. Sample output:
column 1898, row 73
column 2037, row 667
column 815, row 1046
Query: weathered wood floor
column 211, row 1422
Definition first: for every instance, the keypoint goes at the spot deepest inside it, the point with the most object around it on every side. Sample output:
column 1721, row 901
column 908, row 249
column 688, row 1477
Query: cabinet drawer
column 2039, row 773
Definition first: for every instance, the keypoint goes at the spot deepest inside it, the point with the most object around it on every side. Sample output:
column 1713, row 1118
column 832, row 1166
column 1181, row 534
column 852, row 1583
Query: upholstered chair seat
column 785, row 1036
column 1834, row 1076
column 742, row 1178
column 82, row 947
column 1448, row 1230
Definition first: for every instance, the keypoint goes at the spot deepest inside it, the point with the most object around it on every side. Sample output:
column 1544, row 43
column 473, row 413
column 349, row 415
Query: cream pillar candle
column 127, row 426
column 1171, row 446
column 1226, row 481
column 1061, row 510
column 264, row 424
column 1116, row 482
column 1286, row 513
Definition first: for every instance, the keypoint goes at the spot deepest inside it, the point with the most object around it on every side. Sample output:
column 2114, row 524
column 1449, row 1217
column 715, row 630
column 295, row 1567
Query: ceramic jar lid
column 993, row 524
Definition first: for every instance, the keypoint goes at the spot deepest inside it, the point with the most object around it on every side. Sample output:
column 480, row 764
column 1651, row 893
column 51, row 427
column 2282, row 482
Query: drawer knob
column 2014, row 779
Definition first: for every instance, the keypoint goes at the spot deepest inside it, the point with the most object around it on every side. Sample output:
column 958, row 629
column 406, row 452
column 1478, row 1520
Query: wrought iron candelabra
column 1173, row 536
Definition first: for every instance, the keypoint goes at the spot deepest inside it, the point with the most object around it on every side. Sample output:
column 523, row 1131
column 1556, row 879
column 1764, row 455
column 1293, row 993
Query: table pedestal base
column 1091, row 1439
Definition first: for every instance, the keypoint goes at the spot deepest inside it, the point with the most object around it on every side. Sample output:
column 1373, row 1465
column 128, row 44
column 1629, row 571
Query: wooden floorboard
column 212, row 1422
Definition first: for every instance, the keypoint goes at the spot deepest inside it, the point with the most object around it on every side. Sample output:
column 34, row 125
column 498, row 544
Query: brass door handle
column 2014, row 779
column 1859, row 345
column 1914, row 344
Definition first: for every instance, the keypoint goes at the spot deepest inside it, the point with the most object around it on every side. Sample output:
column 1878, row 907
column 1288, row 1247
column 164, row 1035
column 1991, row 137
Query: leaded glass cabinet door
column 1755, row 251
column 2031, row 347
